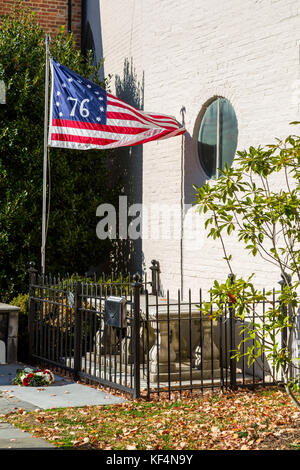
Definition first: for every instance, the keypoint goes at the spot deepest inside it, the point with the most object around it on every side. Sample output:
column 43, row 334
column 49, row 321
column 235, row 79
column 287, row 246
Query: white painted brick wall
column 190, row 51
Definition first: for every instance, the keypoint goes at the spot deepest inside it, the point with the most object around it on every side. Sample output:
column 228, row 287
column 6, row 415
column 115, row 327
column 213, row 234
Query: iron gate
column 68, row 330
column 159, row 345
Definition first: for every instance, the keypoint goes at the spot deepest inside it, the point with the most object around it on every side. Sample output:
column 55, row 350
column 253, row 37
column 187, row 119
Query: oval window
column 217, row 138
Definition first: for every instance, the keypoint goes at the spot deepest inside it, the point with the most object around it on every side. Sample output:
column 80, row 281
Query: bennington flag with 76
column 84, row 116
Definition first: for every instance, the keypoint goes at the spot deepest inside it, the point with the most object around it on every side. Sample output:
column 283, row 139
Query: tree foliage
column 79, row 180
column 247, row 200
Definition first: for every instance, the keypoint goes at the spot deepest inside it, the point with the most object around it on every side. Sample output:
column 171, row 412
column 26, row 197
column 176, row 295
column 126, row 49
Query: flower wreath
column 33, row 378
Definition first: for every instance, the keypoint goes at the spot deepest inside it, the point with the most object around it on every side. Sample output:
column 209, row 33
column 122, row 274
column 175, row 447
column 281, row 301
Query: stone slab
column 62, row 394
column 14, row 438
column 7, row 308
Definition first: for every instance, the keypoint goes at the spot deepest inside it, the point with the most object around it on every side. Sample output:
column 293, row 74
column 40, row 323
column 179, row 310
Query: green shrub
column 80, row 180
column 21, row 301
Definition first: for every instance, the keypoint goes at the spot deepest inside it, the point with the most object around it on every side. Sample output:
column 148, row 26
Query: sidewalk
column 63, row 393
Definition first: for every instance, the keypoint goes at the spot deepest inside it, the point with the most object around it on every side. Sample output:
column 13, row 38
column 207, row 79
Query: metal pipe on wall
column 69, row 16
column 83, row 23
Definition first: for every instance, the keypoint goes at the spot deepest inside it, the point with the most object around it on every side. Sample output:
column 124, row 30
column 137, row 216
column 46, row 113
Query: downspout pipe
column 83, row 23
column 69, row 16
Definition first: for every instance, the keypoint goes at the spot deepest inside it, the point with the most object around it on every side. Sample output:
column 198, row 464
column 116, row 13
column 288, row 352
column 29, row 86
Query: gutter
column 69, row 16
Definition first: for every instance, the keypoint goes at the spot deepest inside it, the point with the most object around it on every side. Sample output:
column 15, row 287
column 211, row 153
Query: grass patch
column 230, row 421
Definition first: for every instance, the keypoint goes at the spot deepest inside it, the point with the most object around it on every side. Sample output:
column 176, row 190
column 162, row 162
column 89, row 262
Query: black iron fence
column 124, row 336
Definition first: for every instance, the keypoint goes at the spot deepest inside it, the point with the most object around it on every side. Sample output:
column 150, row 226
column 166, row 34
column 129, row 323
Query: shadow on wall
column 125, row 165
column 128, row 164
column 193, row 171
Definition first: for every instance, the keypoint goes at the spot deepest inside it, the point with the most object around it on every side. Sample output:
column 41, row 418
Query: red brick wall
column 51, row 14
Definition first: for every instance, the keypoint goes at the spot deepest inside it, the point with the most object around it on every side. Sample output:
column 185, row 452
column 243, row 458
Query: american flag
column 84, row 116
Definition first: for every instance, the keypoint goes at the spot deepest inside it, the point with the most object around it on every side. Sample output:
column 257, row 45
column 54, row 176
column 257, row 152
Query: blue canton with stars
column 75, row 98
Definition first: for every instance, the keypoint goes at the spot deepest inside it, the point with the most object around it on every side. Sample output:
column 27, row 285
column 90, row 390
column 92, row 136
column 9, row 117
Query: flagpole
column 183, row 110
column 43, row 247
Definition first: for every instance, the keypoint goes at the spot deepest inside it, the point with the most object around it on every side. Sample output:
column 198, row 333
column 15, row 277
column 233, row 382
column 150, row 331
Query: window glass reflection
column 216, row 150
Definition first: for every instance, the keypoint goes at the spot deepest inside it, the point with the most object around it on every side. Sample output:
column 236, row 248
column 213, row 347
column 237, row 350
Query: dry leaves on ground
column 241, row 420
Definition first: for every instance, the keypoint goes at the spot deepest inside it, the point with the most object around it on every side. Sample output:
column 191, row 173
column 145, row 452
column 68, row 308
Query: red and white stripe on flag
column 123, row 124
